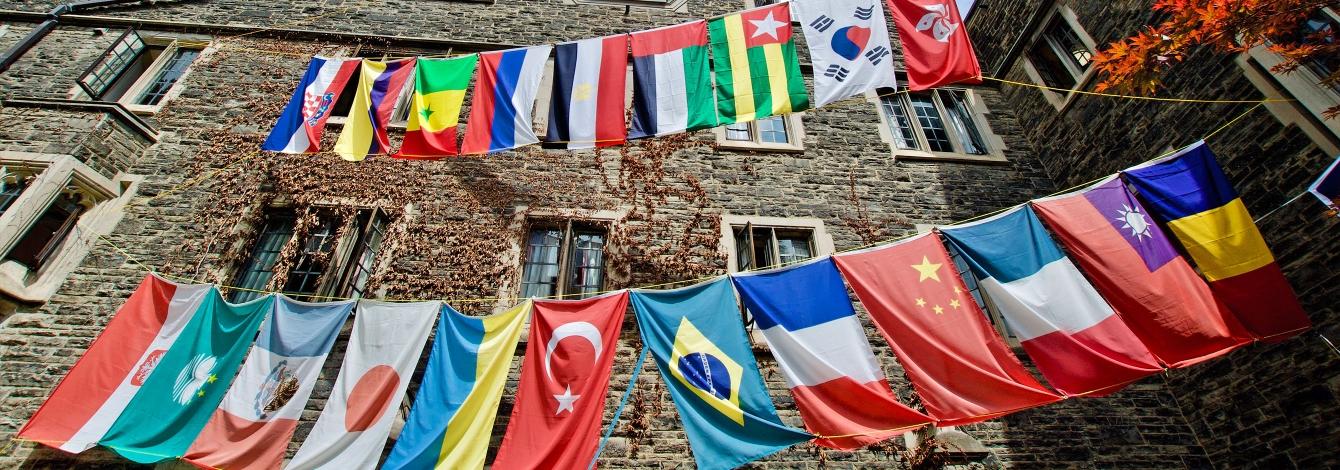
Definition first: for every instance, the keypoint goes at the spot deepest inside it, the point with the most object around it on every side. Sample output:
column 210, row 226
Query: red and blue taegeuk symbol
column 849, row 41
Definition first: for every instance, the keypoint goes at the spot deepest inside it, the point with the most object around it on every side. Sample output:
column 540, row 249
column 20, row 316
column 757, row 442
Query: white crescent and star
column 579, row 329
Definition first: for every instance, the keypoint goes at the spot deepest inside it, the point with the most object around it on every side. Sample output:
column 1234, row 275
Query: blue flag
column 696, row 336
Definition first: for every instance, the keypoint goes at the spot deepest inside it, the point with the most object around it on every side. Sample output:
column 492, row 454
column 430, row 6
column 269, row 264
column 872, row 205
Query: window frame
column 171, row 44
column 821, row 242
column 1060, row 99
column 795, row 134
column 345, row 242
column 570, row 229
column 977, row 116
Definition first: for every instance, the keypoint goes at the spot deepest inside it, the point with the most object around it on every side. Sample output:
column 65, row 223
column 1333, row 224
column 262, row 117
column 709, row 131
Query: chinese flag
column 935, row 44
column 961, row 368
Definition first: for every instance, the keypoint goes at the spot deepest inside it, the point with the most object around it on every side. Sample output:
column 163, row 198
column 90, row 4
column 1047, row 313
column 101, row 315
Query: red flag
column 564, row 379
column 935, row 44
column 956, row 361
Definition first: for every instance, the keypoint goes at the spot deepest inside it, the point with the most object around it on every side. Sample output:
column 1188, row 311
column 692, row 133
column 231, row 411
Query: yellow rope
column 1130, row 97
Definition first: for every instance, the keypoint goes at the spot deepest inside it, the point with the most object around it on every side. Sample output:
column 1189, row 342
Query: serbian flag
column 1078, row 343
column 821, row 347
column 299, row 127
column 935, row 44
column 97, row 389
column 435, row 107
column 756, row 67
column 384, row 348
column 252, row 428
column 504, row 97
column 960, row 367
column 564, row 380
column 1135, row 267
column 1188, row 191
column 589, row 80
column 379, row 87
column 672, row 89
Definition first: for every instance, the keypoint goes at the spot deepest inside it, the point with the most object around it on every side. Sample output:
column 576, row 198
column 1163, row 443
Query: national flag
column 564, row 380
column 111, row 372
column 700, row 347
column 435, row 107
column 820, row 346
column 187, row 385
column 504, row 97
column 379, row 87
column 299, row 127
column 251, row 429
column 1135, row 267
column 1327, row 187
column 452, row 418
column 385, row 345
column 849, row 47
column 936, row 47
column 672, row 90
column 960, row 367
column 586, row 109
column 1188, row 191
column 1078, row 343
column 757, row 72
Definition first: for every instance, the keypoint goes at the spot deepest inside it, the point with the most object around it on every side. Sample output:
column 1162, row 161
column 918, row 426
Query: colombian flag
column 435, row 108
column 365, row 129
column 1189, row 191
column 757, row 72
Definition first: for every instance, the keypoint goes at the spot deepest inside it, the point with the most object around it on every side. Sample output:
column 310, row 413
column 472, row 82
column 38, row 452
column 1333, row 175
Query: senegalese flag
column 757, row 72
column 435, row 108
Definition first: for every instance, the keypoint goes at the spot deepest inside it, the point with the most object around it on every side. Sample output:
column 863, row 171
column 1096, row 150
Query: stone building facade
column 161, row 171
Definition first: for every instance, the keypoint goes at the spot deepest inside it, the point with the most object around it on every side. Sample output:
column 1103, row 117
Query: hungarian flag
column 299, row 127
column 379, row 86
column 589, row 80
column 564, row 380
column 186, row 387
column 105, row 379
column 757, row 72
column 504, row 97
column 672, row 90
column 435, row 108
column 936, row 47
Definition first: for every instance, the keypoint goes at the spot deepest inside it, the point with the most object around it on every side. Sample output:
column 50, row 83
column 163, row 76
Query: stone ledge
column 114, row 109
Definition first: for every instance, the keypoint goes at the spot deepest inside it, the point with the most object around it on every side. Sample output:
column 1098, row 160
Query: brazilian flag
column 699, row 343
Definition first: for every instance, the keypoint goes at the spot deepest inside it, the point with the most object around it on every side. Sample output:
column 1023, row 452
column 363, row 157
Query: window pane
column 960, row 117
column 794, row 248
column 1320, row 22
column 741, row 250
column 115, row 61
column 738, row 131
column 1070, row 44
column 763, row 256
column 932, row 126
column 167, row 76
column 540, row 273
column 47, row 234
column 899, row 124
column 305, row 276
column 1049, row 66
column 259, row 268
column 588, row 266
column 9, row 192
column 773, row 130
column 365, row 254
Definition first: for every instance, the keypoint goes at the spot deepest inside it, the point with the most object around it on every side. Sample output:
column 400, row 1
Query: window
column 771, row 133
column 400, row 113
column 304, row 276
column 258, row 270
column 371, row 233
column 1059, row 55
column 766, row 247
column 566, row 260
column 970, row 279
column 47, row 234
column 138, row 72
column 1311, row 99
column 326, row 264
column 10, row 191
column 936, row 124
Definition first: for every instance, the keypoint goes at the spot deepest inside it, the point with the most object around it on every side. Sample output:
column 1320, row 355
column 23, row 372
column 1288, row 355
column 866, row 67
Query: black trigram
column 822, row 23
column 864, row 14
column 877, row 54
column 837, row 72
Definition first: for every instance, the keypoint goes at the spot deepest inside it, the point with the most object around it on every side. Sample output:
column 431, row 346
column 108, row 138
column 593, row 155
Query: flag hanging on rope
column 1136, row 268
column 672, row 90
column 435, row 107
column 1188, row 191
column 252, row 428
column 113, row 369
column 452, row 418
column 379, row 87
column 849, row 47
column 1078, row 343
column 821, row 348
column 504, row 97
column 586, row 109
column 300, row 126
column 936, row 47
column 757, row 72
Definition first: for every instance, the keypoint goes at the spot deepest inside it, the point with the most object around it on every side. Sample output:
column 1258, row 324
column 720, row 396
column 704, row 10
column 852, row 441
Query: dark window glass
column 259, row 267
column 45, row 237
column 540, row 273
column 167, row 76
column 119, row 58
column 932, row 125
column 738, row 131
column 346, row 100
column 1049, row 66
column 305, row 277
column 10, row 192
column 1320, row 22
column 961, row 119
column 1067, row 42
column 588, row 264
column 899, row 123
column 970, row 279
column 771, row 247
column 364, row 255
column 773, row 130
column 764, row 256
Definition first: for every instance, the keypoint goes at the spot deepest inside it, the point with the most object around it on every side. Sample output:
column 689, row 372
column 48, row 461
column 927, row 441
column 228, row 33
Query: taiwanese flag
column 1135, row 267
column 935, row 44
column 589, row 81
column 435, row 108
column 564, row 379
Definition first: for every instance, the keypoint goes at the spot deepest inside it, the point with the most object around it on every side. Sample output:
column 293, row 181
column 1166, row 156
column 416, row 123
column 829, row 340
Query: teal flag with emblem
column 187, row 384
column 700, row 346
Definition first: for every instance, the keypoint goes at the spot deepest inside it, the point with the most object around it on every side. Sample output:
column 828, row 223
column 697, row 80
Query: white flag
column 849, row 47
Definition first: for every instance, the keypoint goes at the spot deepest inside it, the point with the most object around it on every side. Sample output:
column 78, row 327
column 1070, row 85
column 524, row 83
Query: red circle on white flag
column 370, row 398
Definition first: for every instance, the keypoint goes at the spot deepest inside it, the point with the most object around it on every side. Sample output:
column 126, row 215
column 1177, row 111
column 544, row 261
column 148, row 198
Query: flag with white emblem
column 849, row 47
column 755, row 65
column 935, row 44
column 590, row 77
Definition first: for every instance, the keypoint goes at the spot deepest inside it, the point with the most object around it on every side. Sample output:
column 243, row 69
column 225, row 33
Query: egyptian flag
column 1135, row 267
column 109, row 374
column 564, row 380
column 435, row 108
column 504, row 96
column 672, row 89
column 299, row 127
column 587, row 106
column 936, row 47
column 379, row 87
column 757, row 70
column 1189, row 192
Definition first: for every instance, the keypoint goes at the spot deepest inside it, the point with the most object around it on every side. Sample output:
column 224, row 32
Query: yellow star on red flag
column 927, row 269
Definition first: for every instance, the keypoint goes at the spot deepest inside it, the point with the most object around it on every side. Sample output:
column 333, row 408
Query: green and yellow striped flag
column 757, row 72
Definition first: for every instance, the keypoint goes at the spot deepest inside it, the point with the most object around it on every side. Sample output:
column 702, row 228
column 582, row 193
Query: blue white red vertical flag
column 299, row 127
column 587, row 107
column 1327, row 187
column 849, row 46
column 505, row 89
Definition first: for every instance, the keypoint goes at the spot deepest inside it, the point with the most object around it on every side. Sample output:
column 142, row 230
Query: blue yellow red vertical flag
column 379, row 86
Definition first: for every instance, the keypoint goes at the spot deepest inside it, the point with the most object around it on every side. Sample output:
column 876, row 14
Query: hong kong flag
column 564, row 379
column 935, row 44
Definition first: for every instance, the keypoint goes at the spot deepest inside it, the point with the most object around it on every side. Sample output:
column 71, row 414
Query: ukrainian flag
column 757, row 72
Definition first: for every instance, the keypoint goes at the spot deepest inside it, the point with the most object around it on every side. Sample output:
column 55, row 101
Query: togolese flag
column 757, row 72
column 439, row 89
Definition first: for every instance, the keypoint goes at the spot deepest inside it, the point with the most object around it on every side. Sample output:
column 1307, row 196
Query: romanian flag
column 435, row 108
column 757, row 72
column 365, row 129
column 1189, row 191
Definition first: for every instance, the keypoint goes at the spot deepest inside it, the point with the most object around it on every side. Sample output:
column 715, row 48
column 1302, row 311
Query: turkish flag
column 564, row 379
column 936, row 48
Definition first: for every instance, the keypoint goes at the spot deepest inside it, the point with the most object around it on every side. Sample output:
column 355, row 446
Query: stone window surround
column 1311, row 99
column 104, row 199
column 171, row 41
column 1060, row 100
column 995, row 144
column 795, row 136
column 515, row 255
column 823, row 241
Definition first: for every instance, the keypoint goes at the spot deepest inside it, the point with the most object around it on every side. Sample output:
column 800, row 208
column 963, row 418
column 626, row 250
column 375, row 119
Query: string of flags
column 754, row 73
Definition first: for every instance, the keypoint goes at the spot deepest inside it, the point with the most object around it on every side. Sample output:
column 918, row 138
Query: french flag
column 588, row 101
column 504, row 97
column 821, row 347
column 299, row 127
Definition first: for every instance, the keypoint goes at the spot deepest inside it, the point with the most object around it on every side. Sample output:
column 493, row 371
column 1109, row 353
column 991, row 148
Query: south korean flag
column 849, row 47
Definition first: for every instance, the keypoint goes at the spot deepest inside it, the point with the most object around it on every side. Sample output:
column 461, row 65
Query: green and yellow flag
column 439, row 89
column 757, row 72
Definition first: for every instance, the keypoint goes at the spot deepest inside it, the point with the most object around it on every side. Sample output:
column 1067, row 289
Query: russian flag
column 821, row 347
column 504, row 97
column 588, row 102
column 299, row 127
column 1078, row 343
